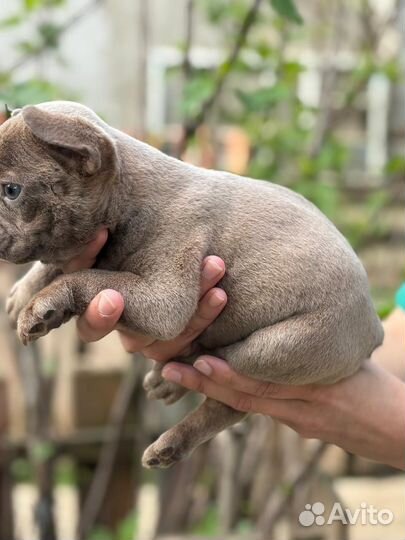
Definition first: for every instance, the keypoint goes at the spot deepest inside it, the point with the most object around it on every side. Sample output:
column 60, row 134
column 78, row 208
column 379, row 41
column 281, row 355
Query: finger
column 209, row 307
column 187, row 376
column 90, row 252
column 213, row 270
column 134, row 342
column 221, row 373
column 101, row 316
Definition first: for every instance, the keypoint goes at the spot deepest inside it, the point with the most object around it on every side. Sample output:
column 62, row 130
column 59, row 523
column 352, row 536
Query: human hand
column 363, row 414
column 104, row 311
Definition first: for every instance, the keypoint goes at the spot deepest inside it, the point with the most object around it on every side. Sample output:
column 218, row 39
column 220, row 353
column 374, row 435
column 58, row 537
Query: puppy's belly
column 255, row 301
column 241, row 317
column 296, row 345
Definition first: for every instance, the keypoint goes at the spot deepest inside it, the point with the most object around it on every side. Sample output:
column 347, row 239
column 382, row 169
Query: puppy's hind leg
column 201, row 425
column 303, row 349
column 159, row 388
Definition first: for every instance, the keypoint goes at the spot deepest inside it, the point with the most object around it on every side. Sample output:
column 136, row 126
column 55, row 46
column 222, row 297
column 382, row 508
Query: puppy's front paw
column 165, row 452
column 43, row 314
column 158, row 388
column 19, row 296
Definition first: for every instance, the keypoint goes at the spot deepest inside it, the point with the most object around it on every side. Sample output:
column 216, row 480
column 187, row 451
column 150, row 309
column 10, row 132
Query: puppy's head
column 56, row 172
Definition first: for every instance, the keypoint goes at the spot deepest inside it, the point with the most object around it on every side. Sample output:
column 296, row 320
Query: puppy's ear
column 72, row 141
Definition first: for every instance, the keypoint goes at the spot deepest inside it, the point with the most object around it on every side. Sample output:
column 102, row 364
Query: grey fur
column 299, row 307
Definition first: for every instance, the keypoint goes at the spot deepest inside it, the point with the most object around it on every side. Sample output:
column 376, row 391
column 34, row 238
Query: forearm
column 364, row 414
column 372, row 424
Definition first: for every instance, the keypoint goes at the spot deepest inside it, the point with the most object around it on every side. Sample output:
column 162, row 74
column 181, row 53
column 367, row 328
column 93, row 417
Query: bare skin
column 362, row 414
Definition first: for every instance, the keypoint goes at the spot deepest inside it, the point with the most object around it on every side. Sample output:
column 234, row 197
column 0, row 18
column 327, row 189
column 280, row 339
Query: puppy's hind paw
column 163, row 453
column 158, row 388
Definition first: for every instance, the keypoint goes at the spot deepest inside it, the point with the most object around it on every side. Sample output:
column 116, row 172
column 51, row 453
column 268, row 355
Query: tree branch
column 325, row 119
column 105, row 465
column 187, row 66
column 222, row 74
column 277, row 506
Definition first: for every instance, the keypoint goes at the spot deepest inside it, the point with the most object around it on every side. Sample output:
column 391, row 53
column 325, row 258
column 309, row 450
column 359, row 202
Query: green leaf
column 325, row 197
column 31, row 91
column 50, row 34
column 288, row 10
column 28, row 48
column 101, row 533
column 396, row 165
column 291, row 71
column 264, row 98
column 219, row 11
column 54, row 3
column 392, row 70
column 5, row 78
column 65, row 472
column 30, row 5
column 208, row 526
column 127, row 529
column 196, row 92
column 42, row 451
column 21, row 470
column 10, row 22
column 384, row 309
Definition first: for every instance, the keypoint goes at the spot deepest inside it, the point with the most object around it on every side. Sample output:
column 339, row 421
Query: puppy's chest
column 120, row 255
column 115, row 255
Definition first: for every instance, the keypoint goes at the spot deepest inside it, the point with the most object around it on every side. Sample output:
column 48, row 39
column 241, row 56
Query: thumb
column 101, row 316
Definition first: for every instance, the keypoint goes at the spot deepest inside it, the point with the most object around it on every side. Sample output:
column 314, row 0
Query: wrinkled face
column 55, row 176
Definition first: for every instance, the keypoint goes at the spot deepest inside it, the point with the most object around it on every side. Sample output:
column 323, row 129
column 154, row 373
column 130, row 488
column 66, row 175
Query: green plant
column 44, row 40
column 293, row 142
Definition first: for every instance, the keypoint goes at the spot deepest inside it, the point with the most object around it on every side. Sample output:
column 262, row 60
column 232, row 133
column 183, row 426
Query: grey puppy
column 299, row 308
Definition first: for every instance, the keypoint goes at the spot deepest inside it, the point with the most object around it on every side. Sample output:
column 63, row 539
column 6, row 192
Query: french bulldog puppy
column 299, row 308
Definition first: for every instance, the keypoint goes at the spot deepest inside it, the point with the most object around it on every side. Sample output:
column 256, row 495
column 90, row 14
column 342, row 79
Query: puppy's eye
column 11, row 191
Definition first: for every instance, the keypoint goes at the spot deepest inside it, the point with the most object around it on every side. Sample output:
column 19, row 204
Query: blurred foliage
column 209, row 524
column 22, row 471
column 385, row 307
column 101, row 533
column 65, row 472
column 42, row 451
column 287, row 9
column 127, row 530
column 293, row 143
column 37, row 14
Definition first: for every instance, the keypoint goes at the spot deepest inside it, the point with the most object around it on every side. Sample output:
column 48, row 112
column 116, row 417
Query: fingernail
column 106, row 306
column 203, row 367
column 172, row 375
column 216, row 299
column 211, row 270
